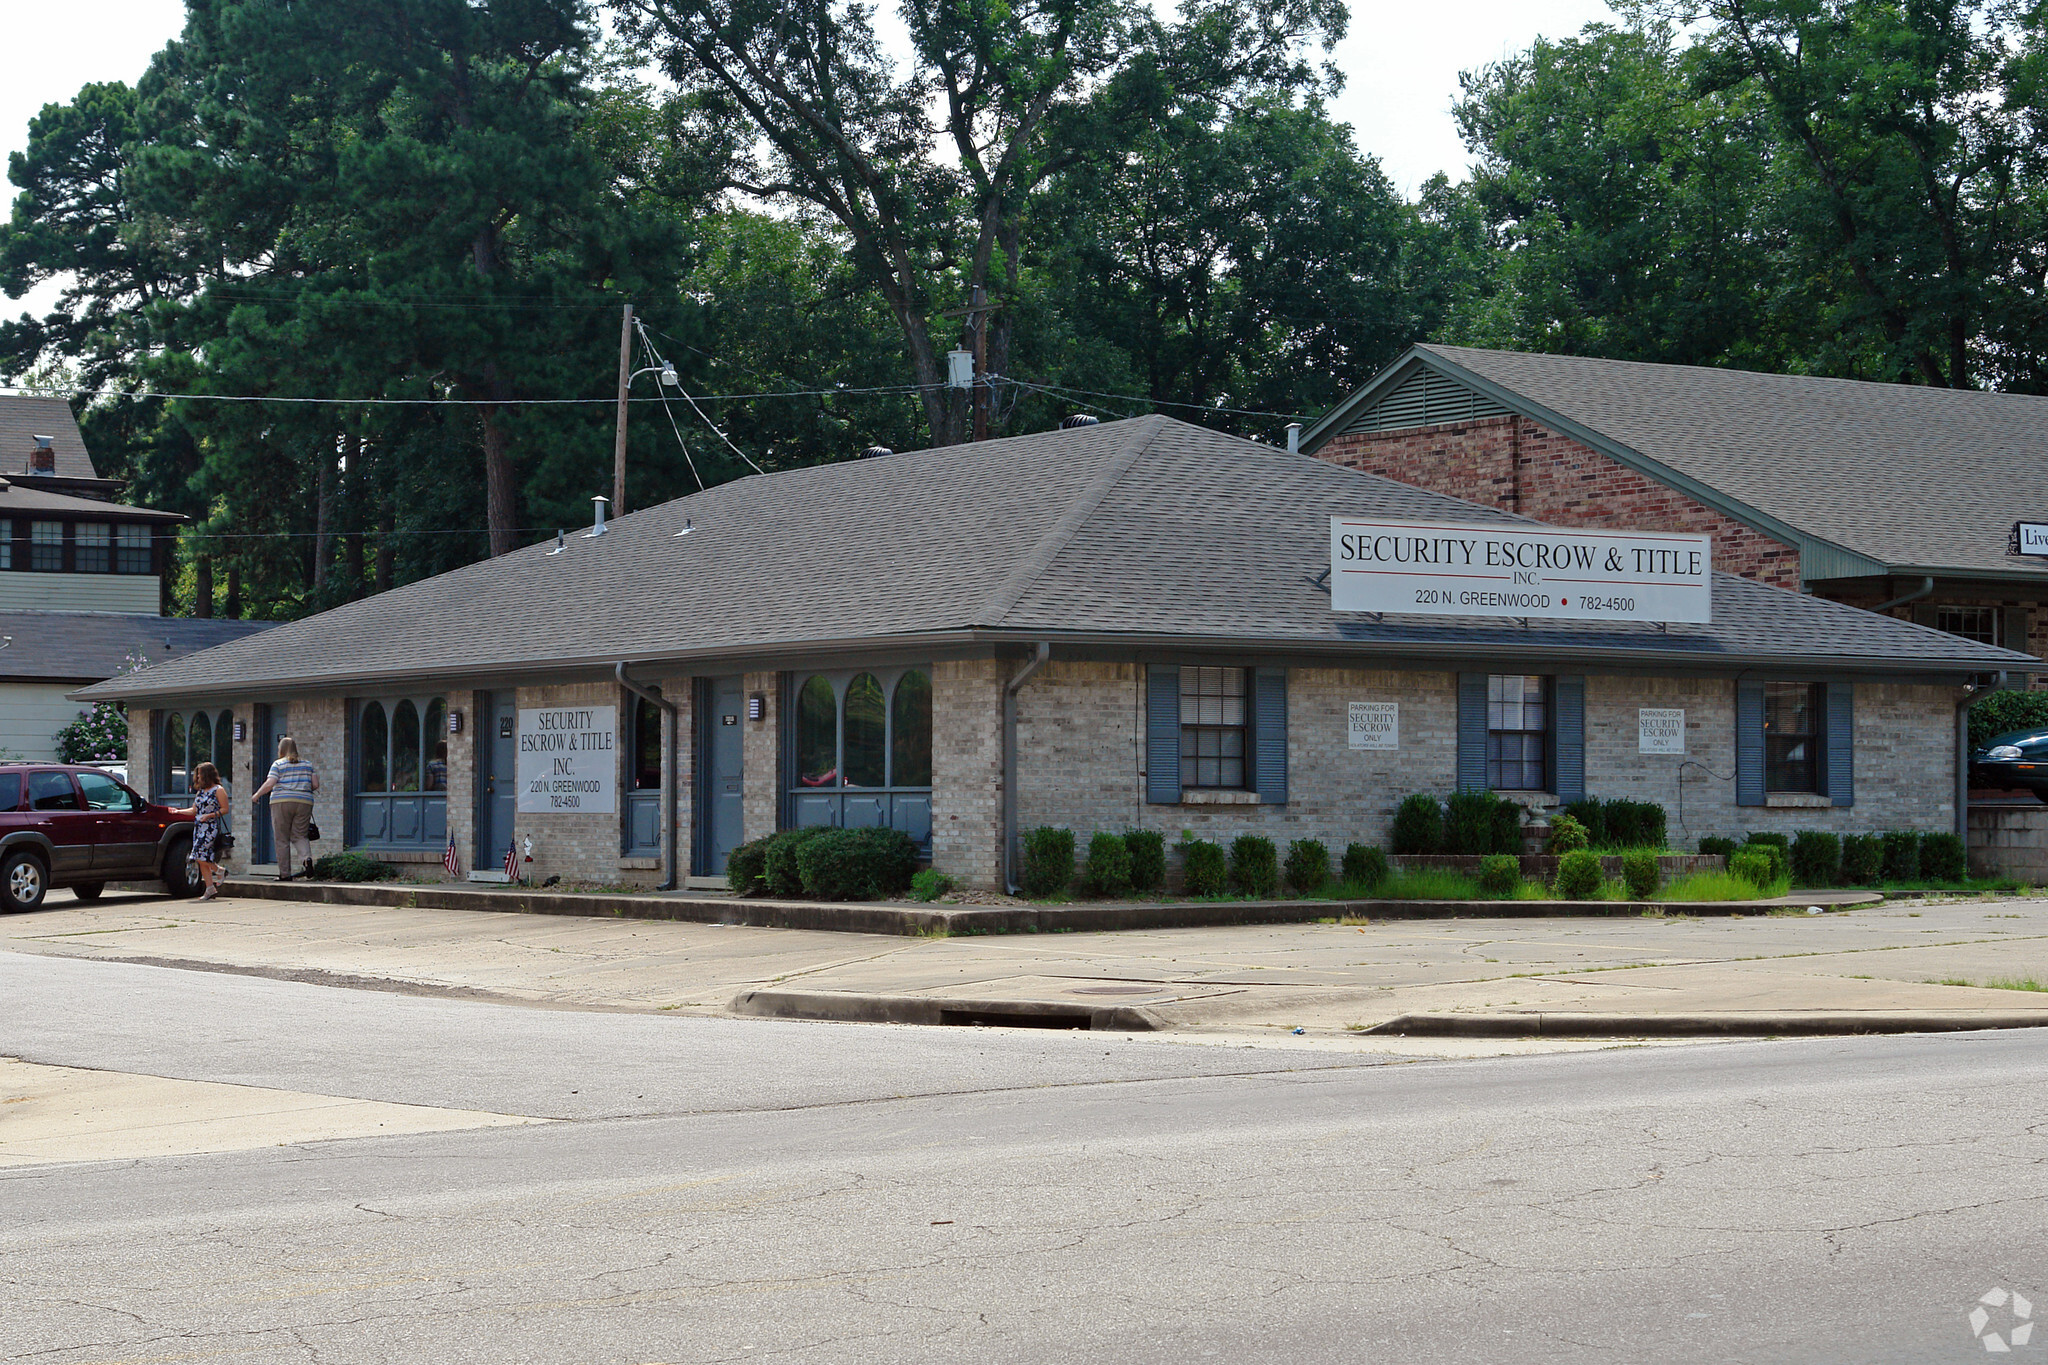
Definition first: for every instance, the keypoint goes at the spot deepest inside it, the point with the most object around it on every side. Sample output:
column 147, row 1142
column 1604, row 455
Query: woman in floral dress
column 208, row 813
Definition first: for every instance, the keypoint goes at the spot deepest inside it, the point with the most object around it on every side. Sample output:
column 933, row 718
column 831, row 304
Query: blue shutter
column 1568, row 731
column 1269, row 735
column 1162, row 736
column 1471, row 731
column 1749, row 744
column 1840, row 770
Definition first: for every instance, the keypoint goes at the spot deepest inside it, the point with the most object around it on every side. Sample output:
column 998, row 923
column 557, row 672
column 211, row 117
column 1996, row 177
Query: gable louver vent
column 1425, row 399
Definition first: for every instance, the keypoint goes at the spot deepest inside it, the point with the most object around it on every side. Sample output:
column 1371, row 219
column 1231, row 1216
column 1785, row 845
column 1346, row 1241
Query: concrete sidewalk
column 1878, row 969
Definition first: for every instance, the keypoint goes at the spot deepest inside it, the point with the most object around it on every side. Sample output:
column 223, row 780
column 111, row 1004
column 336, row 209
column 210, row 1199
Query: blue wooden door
column 719, row 785
column 263, row 751
column 497, row 781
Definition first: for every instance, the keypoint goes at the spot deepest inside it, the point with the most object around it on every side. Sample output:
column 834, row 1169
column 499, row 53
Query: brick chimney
column 42, row 459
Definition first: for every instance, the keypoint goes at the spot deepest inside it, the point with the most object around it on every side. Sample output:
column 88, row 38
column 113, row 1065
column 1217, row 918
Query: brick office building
column 1890, row 497
column 1123, row 625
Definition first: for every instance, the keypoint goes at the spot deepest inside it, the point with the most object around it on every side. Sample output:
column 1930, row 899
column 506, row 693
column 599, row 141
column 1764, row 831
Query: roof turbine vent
column 876, row 453
column 1079, row 419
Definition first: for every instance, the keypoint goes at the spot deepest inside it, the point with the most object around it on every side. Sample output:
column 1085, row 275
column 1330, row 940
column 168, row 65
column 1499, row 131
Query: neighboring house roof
column 1863, row 478
column 24, row 419
column 20, row 498
column 1147, row 533
column 86, row 646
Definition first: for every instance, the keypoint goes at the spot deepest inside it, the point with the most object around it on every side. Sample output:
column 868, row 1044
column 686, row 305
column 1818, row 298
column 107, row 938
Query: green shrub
column 779, row 866
column 1254, row 865
column 1754, row 864
column 1901, row 855
column 1308, row 865
column 1816, row 858
column 1567, row 835
column 1579, row 876
column 1641, row 873
column 1714, row 843
column 1364, row 867
column 1507, row 826
column 1776, row 840
column 1419, row 825
column 1500, row 874
column 1942, row 858
column 746, row 868
column 1862, row 858
column 1774, row 848
column 856, row 864
column 1109, row 866
column 930, row 884
column 1631, row 824
column 1470, row 822
column 2003, row 711
column 1147, row 848
column 1204, row 868
column 1048, row 861
column 1591, row 813
column 352, row 867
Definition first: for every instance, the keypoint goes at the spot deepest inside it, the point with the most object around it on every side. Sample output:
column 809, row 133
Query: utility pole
column 619, row 434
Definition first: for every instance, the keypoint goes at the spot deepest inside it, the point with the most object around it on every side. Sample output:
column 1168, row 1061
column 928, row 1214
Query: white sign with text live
column 569, row 760
column 1454, row 569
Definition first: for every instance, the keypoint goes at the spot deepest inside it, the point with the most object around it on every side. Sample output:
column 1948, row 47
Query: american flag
column 512, row 860
column 448, row 858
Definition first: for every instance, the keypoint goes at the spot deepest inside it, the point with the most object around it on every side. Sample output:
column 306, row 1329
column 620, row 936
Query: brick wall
column 1518, row 466
column 761, row 761
column 967, row 768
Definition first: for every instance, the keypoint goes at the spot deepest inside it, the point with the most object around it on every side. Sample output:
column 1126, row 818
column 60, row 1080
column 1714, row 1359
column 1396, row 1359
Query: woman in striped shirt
column 290, row 787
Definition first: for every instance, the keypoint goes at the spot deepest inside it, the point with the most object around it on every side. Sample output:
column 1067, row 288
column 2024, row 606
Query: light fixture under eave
column 689, row 525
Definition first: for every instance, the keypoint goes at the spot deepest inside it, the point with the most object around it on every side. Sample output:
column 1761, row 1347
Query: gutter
column 1010, row 690
column 671, row 881
column 1926, row 589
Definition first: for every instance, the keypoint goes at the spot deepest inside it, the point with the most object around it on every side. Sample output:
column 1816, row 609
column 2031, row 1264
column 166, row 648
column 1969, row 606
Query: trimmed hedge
column 779, row 865
column 1500, row 874
column 1048, row 861
column 1634, row 824
column 1591, row 813
column 1816, row 858
column 1714, row 843
column 1365, row 866
column 1755, row 865
column 1567, row 835
column 1419, row 825
column 1579, row 876
column 1775, row 848
column 1254, row 865
column 1862, row 858
column 746, row 868
column 1147, row 848
column 1109, row 866
column 857, row 864
column 1942, row 858
column 1901, row 855
column 1641, row 872
column 1480, row 822
column 1204, row 868
column 1308, row 865
column 352, row 867
column 930, row 884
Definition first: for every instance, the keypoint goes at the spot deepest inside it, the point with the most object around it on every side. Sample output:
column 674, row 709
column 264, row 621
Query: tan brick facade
column 761, row 760
column 967, row 767
column 1518, row 466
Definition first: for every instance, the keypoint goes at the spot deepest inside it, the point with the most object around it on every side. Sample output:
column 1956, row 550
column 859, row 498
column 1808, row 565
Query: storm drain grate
column 1009, row 1019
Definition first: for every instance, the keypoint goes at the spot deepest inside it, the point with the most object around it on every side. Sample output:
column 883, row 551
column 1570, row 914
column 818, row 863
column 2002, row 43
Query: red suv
column 78, row 827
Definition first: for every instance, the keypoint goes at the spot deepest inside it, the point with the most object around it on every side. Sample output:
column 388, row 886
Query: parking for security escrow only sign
column 1456, row 569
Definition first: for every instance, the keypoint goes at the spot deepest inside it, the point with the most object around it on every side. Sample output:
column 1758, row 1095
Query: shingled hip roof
column 1149, row 531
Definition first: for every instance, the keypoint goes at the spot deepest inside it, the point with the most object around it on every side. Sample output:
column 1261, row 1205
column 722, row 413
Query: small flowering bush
column 101, row 734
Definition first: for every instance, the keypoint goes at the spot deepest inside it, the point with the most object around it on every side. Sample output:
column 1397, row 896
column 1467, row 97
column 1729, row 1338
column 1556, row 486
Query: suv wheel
column 24, row 881
column 181, row 877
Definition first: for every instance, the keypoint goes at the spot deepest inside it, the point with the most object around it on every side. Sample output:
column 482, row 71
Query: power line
column 1153, row 402
column 139, row 395
column 649, row 344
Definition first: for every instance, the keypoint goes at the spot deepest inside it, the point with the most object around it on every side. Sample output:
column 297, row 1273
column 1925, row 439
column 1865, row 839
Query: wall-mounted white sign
column 568, row 760
column 2028, row 538
column 1375, row 725
column 1499, row 570
column 1660, row 730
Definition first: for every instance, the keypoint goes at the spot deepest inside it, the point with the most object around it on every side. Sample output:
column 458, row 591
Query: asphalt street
column 743, row 1190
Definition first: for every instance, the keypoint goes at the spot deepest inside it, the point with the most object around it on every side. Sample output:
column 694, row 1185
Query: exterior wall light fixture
column 757, row 706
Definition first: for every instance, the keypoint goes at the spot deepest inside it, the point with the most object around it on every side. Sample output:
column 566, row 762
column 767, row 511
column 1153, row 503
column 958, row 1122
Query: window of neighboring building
column 1517, row 732
column 1972, row 623
column 646, row 745
column 190, row 738
column 1212, row 727
column 1791, row 719
column 46, row 546
column 131, row 549
column 6, row 544
column 94, row 548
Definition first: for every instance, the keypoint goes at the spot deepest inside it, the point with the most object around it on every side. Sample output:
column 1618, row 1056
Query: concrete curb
column 848, row 1007
column 1732, row 1023
column 946, row 921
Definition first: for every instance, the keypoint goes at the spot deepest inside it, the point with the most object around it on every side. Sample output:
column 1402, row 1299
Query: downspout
column 670, row 881
column 1963, row 768
column 1009, row 859
column 1926, row 589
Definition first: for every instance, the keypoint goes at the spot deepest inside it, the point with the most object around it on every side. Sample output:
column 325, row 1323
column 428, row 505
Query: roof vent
column 42, row 459
column 876, row 452
column 598, row 527
column 1079, row 419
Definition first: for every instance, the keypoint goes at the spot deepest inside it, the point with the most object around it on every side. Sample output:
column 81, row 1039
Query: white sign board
column 1660, row 730
column 1453, row 569
column 2029, row 538
column 568, row 760
column 1375, row 725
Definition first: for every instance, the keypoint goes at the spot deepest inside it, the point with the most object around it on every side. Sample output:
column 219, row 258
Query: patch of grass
column 1997, row 983
column 1716, row 886
column 1981, row 885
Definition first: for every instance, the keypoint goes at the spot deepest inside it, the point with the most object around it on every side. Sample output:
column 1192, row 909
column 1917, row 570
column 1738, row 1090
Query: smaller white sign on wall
column 1375, row 725
column 1660, row 730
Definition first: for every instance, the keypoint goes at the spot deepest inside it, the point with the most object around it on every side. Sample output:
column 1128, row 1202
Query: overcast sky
column 1401, row 66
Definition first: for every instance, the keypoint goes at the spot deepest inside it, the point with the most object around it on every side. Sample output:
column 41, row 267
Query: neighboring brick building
column 1106, row 627
column 1885, row 496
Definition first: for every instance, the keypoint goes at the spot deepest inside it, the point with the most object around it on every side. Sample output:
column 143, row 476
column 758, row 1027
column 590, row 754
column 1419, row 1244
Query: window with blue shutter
column 1269, row 735
column 1162, row 736
column 1839, row 762
column 1568, row 764
column 1749, row 743
column 1471, row 731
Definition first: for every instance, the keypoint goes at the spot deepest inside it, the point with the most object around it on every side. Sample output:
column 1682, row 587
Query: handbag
column 312, row 832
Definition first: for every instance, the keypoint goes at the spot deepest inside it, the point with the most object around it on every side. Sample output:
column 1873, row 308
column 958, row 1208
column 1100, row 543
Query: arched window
column 817, row 734
column 866, row 733
column 399, row 774
column 436, row 745
column 177, row 777
column 405, row 747
column 200, row 740
column 188, row 739
column 375, row 741
column 910, row 731
column 646, row 745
